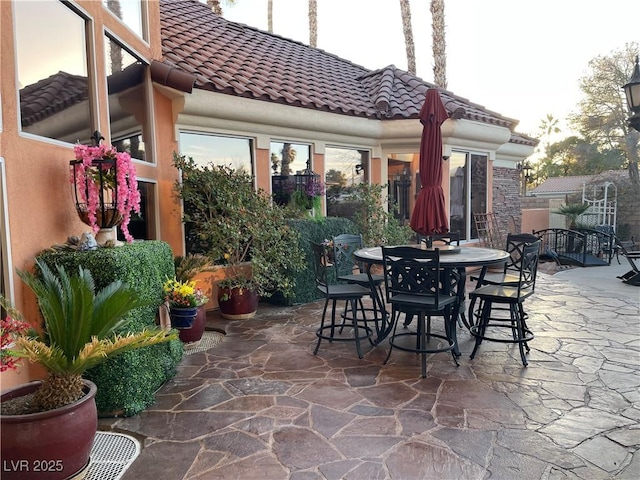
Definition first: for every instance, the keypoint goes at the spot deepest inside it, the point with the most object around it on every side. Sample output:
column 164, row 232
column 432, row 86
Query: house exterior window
column 53, row 79
column 287, row 160
column 130, row 12
column 205, row 148
column 467, row 191
column 143, row 225
column 128, row 100
column 345, row 168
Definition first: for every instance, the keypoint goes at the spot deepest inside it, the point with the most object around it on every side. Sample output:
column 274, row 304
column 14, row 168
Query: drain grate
column 210, row 338
column 111, row 455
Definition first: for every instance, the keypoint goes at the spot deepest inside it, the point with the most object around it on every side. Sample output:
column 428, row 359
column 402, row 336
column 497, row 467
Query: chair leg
column 481, row 325
column 394, row 318
column 422, row 335
column 449, row 330
column 518, row 331
column 319, row 331
column 523, row 321
column 354, row 321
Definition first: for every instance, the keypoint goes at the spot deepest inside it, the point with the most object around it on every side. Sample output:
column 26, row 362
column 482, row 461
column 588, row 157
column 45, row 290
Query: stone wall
column 506, row 199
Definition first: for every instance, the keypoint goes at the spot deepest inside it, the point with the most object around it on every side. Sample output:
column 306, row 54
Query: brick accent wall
column 506, row 199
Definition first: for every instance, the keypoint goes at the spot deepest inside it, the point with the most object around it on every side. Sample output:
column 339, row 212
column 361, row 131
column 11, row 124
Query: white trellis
column 602, row 205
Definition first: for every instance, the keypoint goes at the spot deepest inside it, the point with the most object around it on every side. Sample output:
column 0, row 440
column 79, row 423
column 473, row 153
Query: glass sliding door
column 467, row 191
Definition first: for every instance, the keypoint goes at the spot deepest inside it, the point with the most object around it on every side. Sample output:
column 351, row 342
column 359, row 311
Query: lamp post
column 632, row 92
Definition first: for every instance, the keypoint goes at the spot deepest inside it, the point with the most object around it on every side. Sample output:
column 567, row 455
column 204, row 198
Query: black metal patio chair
column 632, row 277
column 349, row 270
column 509, row 297
column 510, row 273
column 414, row 286
column 350, row 294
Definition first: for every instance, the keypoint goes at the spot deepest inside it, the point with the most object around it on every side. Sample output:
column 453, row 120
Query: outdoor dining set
column 413, row 283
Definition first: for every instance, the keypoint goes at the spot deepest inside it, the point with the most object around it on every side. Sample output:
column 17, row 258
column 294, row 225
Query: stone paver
column 261, row 405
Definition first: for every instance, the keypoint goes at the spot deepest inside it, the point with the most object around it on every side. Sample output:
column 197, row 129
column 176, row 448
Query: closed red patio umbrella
column 429, row 213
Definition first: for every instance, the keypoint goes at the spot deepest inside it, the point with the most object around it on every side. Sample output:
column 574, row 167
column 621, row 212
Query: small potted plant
column 183, row 299
column 106, row 189
column 53, row 422
column 241, row 229
column 187, row 268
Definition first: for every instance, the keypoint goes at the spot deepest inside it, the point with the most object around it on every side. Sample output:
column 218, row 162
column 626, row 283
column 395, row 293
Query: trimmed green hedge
column 127, row 382
column 312, row 230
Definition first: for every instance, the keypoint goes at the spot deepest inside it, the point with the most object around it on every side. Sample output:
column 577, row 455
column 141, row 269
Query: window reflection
column 126, row 83
column 287, row 160
column 345, row 168
column 467, row 192
column 218, row 150
column 129, row 11
column 52, row 72
column 143, row 225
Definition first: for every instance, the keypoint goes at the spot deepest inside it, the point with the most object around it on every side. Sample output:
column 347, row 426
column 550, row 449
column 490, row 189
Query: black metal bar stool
column 510, row 297
column 351, row 294
column 415, row 286
column 348, row 269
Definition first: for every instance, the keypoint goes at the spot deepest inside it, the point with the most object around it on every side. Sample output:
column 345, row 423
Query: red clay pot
column 237, row 303
column 51, row 445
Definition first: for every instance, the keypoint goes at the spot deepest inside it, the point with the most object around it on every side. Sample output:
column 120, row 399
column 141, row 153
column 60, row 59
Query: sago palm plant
column 77, row 332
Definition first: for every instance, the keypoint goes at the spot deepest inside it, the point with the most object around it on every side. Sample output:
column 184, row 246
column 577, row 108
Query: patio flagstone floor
column 261, row 405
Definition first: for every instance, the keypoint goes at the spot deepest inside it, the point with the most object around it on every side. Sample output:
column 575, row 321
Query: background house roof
column 564, row 185
column 235, row 59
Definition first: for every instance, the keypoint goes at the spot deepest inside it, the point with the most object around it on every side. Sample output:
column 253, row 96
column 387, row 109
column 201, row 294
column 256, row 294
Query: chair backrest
column 412, row 271
column 343, row 248
column 450, row 238
column 321, row 263
column 515, row 245
column 528, row 268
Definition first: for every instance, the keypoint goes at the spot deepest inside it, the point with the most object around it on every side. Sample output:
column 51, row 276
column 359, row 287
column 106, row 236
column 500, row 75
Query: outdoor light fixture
column 304, row 177
column 632, row 91
column 525, row 168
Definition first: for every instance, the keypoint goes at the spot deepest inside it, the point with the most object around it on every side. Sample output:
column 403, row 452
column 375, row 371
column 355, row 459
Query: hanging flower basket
column 105, row 187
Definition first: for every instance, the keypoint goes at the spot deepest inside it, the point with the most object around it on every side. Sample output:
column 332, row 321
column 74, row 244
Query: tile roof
column 236, row 59
column 573, row 184
column 51, row 95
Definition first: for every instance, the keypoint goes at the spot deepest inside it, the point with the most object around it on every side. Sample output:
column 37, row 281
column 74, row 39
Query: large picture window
column 128, row 104
column 208, row 149
column 52, row 63
column 467, row 192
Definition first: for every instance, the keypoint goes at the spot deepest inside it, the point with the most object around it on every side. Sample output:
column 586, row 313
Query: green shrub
column 312, row 230
column 126, row 383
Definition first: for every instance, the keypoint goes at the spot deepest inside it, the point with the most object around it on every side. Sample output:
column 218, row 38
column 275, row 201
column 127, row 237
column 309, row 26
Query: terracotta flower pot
column 50, row 445
column 237, row 303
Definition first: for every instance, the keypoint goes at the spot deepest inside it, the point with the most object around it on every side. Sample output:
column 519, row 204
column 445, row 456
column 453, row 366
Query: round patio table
column 458, row 257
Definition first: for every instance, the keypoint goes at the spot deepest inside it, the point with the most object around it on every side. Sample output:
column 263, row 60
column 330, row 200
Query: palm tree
column 216, row 5
column 439, row 44
column 313, row 23
column 78, row 330
column 405, row 10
